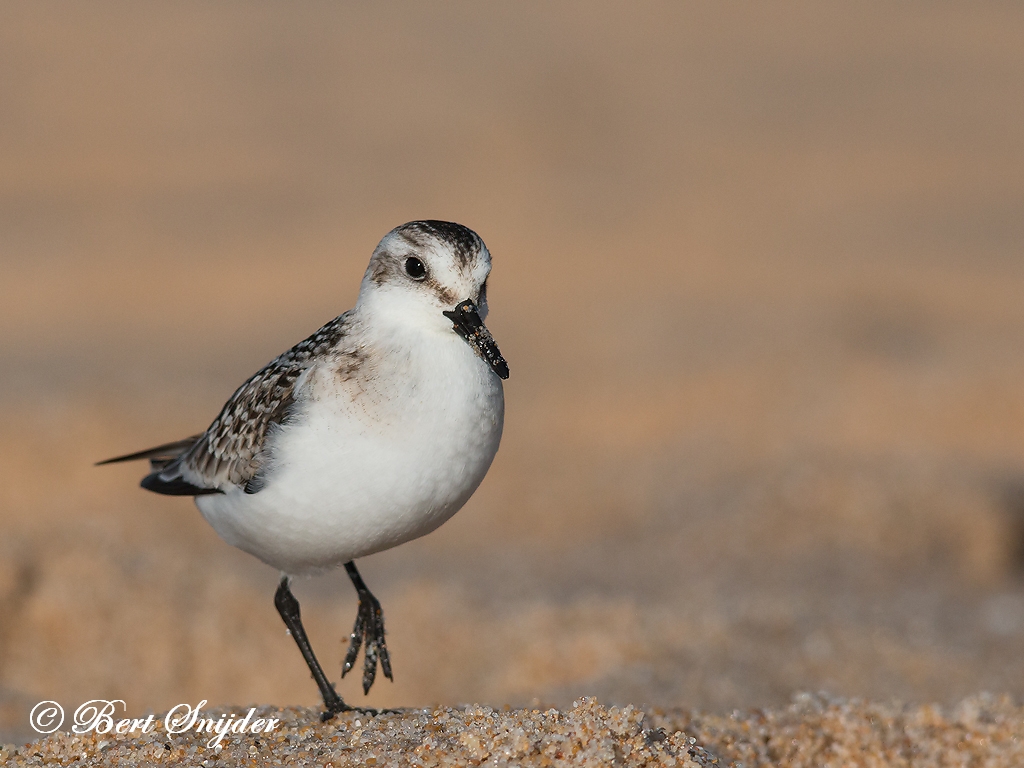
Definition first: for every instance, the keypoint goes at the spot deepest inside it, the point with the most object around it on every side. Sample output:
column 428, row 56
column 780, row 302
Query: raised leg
column 369, row 628
column 288, row 607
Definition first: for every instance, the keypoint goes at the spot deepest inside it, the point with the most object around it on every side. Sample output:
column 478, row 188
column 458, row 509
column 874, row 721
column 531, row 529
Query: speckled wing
column 232, row 451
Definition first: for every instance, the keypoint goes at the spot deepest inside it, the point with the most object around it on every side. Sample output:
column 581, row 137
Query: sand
column 813, row 731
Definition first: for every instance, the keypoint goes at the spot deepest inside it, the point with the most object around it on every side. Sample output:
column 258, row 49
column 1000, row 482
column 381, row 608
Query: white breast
column 374, row 458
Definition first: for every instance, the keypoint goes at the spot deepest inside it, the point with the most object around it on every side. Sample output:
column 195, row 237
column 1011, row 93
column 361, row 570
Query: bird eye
column 414, row 268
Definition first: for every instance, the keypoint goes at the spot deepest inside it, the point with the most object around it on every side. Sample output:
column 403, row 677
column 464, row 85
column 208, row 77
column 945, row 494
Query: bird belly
column 353, row 477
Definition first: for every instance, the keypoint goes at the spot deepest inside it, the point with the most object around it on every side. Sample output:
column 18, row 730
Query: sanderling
column 371, row 432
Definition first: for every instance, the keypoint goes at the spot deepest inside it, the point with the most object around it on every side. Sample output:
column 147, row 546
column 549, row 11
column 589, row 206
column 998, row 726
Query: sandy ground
column 812, row 732
column 757, row 273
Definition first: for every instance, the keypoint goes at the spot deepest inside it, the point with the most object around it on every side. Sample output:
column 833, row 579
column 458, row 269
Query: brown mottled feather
column 231, row 451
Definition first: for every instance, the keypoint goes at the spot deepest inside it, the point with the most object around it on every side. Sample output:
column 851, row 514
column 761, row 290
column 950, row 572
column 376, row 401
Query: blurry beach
column 758, row 274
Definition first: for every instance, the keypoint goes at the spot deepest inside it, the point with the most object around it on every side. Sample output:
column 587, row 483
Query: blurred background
column 758, row 273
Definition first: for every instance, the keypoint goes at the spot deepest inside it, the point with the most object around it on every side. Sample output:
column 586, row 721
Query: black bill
column 469, row 326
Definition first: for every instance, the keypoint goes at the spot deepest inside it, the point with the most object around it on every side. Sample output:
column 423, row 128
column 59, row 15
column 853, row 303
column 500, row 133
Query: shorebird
column 373, row 431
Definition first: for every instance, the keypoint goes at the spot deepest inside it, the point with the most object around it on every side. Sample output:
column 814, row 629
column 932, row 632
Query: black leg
column 369, row 627
column 288, row 607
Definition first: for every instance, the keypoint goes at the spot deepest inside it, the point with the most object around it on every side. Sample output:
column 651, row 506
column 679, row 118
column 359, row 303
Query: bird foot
column 333, row 705
column 369, row 631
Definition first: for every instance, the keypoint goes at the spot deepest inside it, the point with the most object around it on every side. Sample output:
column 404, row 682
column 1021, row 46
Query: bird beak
column 467, row 323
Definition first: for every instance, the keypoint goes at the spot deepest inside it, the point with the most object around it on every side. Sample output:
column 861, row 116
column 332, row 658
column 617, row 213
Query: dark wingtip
column 174, row 487
column 168, row 451
column 117, row 459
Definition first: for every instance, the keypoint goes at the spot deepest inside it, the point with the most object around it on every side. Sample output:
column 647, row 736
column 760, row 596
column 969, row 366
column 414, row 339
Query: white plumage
column 372, row 459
